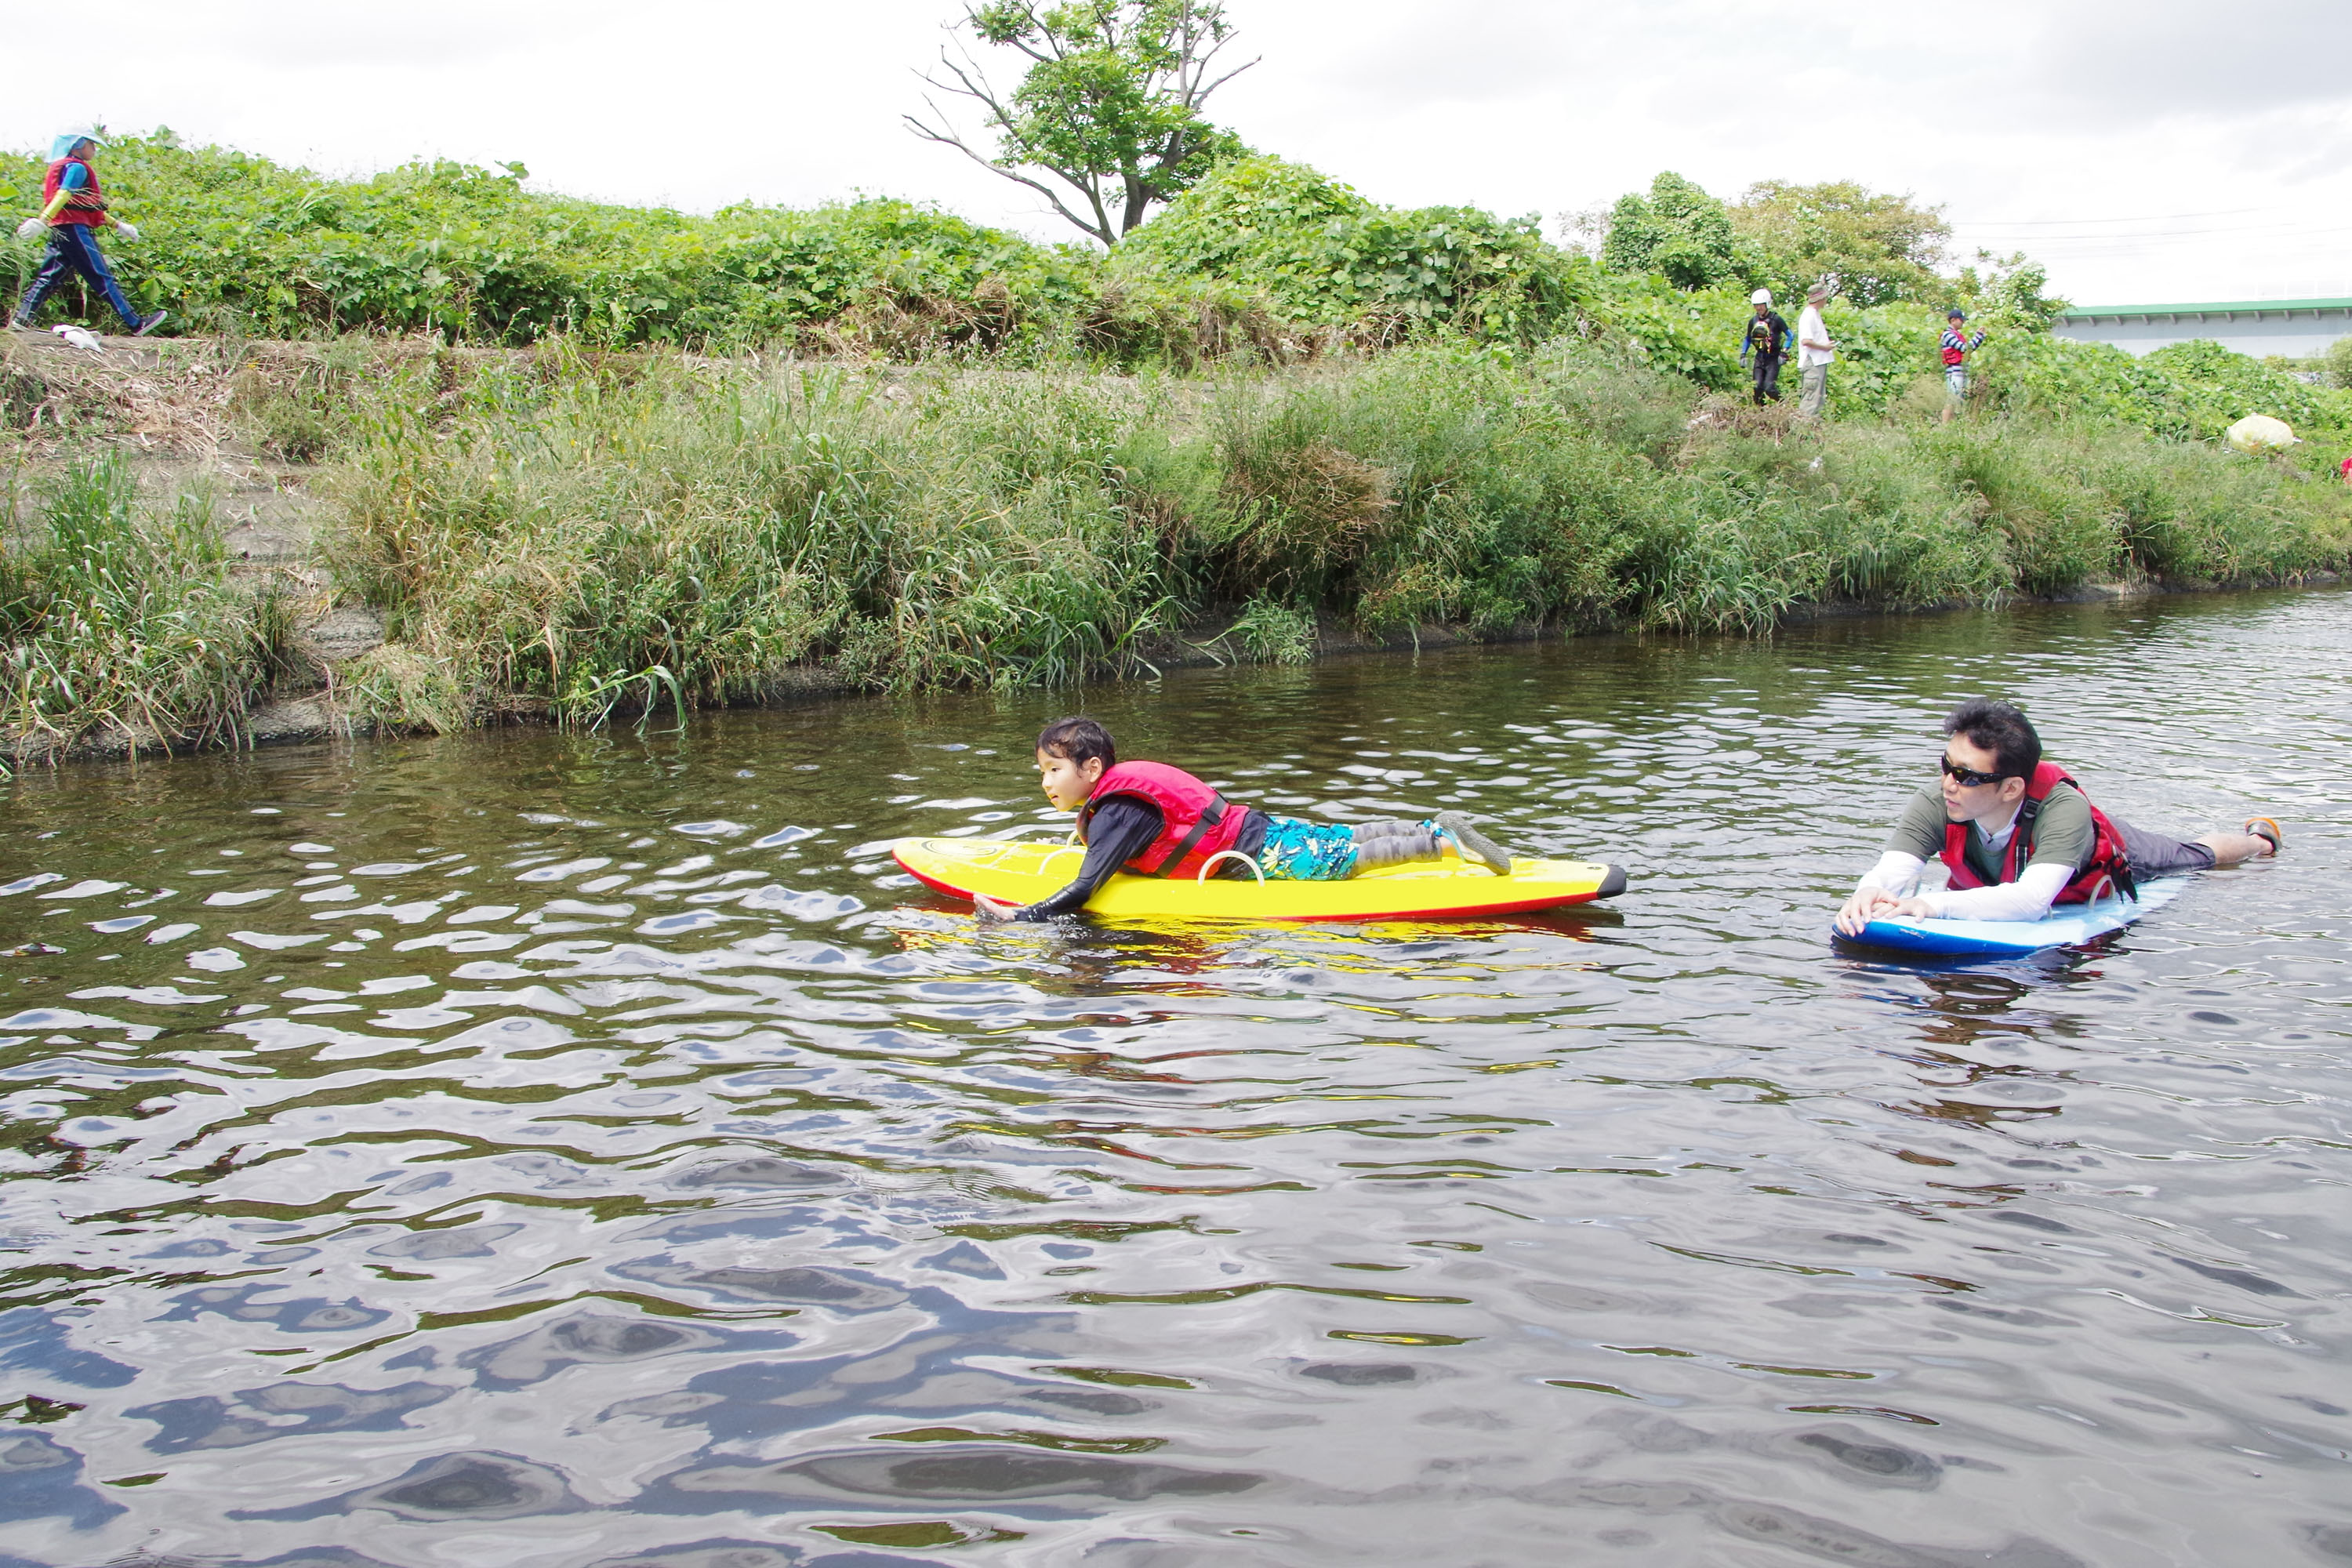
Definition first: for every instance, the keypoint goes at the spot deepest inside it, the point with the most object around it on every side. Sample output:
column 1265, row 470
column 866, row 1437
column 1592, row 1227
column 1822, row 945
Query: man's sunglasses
column 1969, row 776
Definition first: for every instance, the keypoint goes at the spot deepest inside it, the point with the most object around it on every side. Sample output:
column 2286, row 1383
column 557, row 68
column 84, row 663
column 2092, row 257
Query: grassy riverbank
column 582, row 534
column 565, row 537
column 579, row 458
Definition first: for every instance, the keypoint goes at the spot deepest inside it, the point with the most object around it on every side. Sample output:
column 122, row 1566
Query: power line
column 2275, row 230
column 2153, row 217
column 2270, row 234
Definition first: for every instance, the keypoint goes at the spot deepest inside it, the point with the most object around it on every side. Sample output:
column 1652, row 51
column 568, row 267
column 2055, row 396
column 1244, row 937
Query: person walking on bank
column 1766, row 336
column 1957, row 345
column 1814, row 351
column 73, row 213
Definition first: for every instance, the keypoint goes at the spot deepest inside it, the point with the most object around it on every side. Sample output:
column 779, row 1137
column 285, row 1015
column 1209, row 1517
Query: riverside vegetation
column 640, row 458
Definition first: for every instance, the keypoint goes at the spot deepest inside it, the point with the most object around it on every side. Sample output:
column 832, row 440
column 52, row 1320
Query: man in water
column 2017, row 834
column 73, row 213
column 1157, row 821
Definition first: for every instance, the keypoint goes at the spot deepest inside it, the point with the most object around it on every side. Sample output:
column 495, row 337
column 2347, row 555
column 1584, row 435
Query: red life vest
column 90, row 217
column 2110, row 861
column 1194, row 820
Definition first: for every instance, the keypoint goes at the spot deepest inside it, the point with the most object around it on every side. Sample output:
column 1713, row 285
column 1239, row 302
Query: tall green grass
column 602, row 534
column 564, row 537
column 119, row 617
column 597, row 534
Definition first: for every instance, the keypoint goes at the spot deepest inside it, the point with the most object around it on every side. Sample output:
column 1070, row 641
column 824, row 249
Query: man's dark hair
column 1078, row 741
column 2000, row 729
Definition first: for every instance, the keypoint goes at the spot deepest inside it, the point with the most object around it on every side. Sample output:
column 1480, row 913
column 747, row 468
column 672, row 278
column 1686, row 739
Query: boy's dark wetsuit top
column 1121, row 828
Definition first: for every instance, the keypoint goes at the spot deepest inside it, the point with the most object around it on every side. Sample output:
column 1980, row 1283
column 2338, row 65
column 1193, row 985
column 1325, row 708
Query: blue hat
column 1956, row 311
column 63, row 143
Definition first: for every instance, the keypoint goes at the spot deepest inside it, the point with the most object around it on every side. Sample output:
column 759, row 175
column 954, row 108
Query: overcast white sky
column 2152, row 152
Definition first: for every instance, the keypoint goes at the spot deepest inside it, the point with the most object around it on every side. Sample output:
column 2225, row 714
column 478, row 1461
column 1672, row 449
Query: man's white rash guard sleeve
column 2026, row 899
column 1896, row 872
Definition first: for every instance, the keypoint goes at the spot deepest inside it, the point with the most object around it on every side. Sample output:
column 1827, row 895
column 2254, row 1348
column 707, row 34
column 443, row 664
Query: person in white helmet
column 1763, row 345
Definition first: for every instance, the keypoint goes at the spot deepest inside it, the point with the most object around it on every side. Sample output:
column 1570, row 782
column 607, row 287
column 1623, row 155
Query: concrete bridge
column 2298, row 329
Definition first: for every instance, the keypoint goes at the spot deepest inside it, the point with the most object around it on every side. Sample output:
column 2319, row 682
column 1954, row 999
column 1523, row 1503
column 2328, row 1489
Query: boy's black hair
column 2000, row 729
column 1078, row 741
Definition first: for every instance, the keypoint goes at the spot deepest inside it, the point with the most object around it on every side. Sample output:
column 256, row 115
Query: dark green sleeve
column 2065, row 834
column 1920, row 829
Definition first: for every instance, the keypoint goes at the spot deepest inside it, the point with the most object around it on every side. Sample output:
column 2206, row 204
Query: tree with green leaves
column 1110, row 104
column 1879, row 247
column 2009, row 289
column 1679, row 232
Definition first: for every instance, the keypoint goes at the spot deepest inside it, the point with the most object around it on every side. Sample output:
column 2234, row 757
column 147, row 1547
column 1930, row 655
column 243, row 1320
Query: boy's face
column 1068, row 783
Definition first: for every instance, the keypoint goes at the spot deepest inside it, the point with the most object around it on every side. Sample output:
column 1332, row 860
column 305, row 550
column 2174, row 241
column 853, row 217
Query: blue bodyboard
column 2067, row 925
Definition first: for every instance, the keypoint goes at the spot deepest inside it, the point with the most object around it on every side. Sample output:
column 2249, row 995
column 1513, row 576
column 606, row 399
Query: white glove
column 31, row 227
column 127, row 230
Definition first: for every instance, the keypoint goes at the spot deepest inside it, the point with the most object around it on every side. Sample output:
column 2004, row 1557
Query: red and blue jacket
column 1195, row 821
column 93, row 217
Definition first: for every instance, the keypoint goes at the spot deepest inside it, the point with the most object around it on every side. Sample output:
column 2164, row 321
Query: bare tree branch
column 1099, row 228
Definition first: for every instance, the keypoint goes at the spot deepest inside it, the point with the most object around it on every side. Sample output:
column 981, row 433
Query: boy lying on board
column 1157, row 821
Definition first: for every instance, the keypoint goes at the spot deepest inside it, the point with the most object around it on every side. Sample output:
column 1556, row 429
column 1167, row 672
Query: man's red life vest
column 1196, row 822
column 90, row 217
column 2110, row 861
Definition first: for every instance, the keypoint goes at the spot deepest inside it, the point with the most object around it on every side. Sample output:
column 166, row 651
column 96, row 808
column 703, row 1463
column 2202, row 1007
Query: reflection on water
column 538, row 1149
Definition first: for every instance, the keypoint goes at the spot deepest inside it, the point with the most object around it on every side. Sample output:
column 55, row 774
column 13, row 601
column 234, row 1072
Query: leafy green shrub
column 231, row 241
column 2338, row 364
column 1322, row 254
column 2185, row 391
column 2221, row 386
column 1679, row 233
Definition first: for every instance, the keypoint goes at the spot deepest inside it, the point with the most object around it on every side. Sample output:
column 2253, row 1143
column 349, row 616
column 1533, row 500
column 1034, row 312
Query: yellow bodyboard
column 1019, row 872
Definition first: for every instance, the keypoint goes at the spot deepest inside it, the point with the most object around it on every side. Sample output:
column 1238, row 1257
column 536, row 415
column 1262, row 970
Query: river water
column 529, row 1148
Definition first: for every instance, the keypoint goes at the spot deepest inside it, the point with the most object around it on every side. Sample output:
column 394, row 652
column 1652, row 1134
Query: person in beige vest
column 1814, row 351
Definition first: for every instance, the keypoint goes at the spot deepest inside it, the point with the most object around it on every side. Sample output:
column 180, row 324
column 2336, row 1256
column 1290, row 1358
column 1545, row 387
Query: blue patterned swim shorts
column 1297, row 851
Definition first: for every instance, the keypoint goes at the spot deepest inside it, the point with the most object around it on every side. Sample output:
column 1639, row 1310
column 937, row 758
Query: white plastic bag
column 2259, row 433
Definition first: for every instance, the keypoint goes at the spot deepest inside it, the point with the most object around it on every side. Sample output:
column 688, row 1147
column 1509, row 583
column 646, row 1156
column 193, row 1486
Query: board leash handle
column 1246, row 859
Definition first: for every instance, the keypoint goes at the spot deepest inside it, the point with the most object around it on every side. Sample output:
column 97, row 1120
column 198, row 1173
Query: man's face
column 1969, row 802
column 1068, row 783
column 1763, row 311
